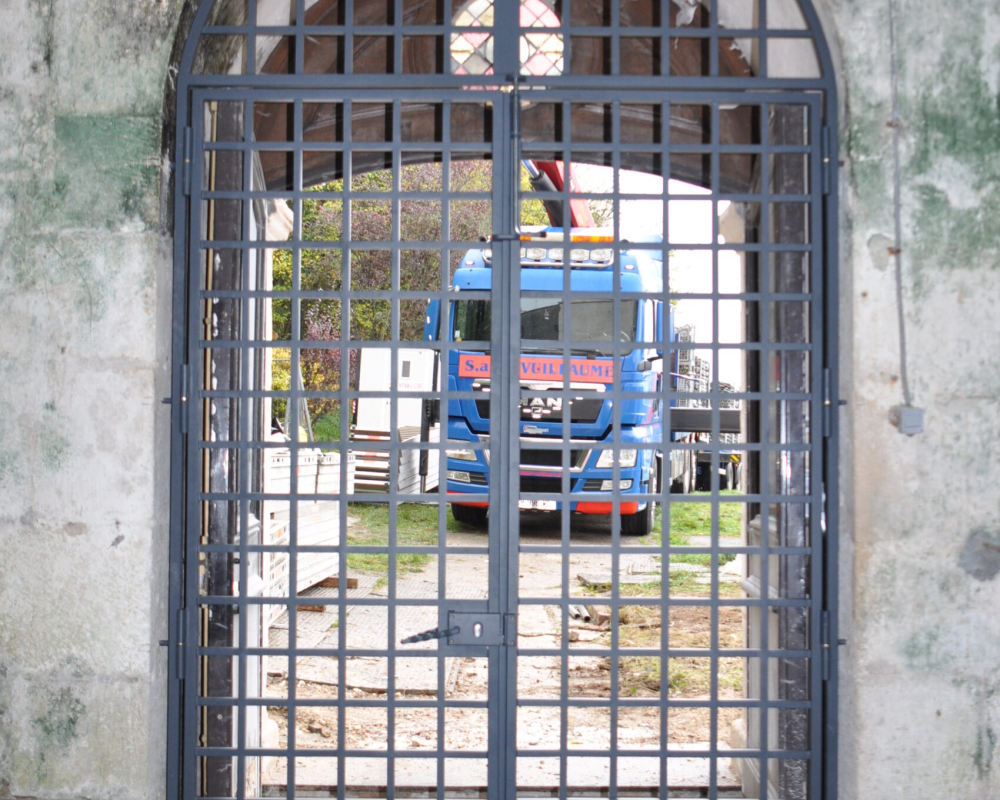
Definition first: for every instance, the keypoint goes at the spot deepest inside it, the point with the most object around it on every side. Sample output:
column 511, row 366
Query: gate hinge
column 825, row 643
column 826, row 154
column 188, row 154
column 179, row 662
column 827, row 403
column 185, row 394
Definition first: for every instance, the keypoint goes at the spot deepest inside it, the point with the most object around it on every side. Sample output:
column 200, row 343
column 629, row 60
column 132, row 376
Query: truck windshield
column 543, row 322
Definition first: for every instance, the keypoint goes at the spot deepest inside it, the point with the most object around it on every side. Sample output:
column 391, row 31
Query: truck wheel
column 641, row 523
column 474, row 516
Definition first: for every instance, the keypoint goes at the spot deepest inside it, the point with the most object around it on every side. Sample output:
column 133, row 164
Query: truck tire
column 474, row 516
column 641, row 523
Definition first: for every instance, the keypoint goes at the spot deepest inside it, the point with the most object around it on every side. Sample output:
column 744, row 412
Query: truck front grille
column 585, row 411
column 534, row 457
column 530, row 483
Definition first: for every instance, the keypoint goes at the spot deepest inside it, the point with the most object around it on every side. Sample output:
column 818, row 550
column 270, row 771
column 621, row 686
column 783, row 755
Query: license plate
column 537, row 505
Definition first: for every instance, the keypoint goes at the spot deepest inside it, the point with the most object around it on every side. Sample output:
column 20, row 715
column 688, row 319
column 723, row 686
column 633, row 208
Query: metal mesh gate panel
column 502, row 401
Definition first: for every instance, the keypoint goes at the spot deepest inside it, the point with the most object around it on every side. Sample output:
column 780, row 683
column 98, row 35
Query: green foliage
column 280, row 378
column 532, row 211
column 321, row 267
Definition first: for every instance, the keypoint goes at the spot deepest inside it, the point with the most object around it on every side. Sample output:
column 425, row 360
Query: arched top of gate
column 653, row 44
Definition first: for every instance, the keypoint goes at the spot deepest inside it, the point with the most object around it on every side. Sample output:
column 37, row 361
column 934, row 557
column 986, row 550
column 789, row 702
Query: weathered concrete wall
column 921, row 684
column 84, row 344
column 84, row 347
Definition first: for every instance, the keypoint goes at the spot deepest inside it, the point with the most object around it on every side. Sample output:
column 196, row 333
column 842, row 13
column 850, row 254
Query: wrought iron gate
column 503, row 401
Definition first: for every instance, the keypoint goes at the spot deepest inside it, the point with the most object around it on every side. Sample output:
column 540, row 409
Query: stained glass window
column 541, row 52
column 472, row 50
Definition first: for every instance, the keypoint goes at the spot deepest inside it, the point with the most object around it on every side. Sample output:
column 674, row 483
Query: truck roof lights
column 538, row 252
column 575, row 235
column 555, row 256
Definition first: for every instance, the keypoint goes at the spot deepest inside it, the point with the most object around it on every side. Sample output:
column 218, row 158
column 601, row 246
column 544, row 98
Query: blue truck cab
column 594, row 370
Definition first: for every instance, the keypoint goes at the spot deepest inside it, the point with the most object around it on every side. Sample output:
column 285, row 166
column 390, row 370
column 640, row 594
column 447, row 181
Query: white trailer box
column 414, row 373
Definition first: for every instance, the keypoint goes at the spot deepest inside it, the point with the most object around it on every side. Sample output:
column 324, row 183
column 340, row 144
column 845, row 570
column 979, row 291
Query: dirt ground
column 416, row 729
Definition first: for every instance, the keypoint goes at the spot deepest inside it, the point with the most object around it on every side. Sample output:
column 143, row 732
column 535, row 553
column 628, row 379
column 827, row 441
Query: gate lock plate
column 475, row 629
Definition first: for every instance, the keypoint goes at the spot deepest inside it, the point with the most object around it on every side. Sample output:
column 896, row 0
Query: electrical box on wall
column 908, row 419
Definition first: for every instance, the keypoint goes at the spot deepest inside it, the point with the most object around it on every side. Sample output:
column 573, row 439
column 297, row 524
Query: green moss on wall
column 925, row 652
column 982, row 756
column 11, row 458
column 949, row 237
column 958, row 117
column 57, row 724
column 56, row 727
column 108, row 169
column 952, row 125
column 868, row 147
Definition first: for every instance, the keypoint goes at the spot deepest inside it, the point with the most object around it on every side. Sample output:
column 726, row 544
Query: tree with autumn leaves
column 420, row 240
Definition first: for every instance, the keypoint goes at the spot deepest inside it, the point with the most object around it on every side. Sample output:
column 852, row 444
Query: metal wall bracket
column 186, row 162
column 827, row 403
column 825, row 153
column 185, row 392
column 825, row 643
column 182, row 618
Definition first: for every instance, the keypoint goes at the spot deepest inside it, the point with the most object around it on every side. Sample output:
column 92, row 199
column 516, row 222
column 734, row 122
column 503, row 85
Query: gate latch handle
column 433, row 633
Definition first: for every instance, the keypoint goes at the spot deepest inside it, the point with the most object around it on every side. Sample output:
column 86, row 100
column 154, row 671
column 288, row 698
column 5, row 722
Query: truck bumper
column 466, row 499
column 478, row 496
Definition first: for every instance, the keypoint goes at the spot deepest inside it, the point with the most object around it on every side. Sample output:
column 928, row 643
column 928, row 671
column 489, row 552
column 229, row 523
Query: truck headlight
column 462, row 455
column 609, row 486
column 461, row 477
column 626, row 458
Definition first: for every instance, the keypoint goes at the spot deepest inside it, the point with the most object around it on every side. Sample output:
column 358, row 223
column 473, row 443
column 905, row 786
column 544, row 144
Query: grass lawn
column 416, row 525
column 695, row 519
